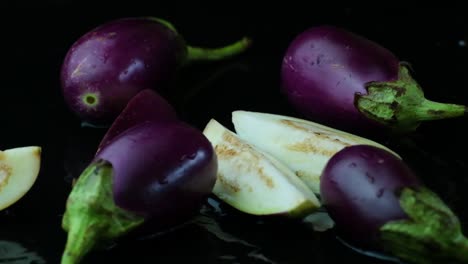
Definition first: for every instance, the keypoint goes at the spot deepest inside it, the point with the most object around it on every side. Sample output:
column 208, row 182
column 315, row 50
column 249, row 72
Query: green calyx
column 91, row 216
column 401, row 105
column 431, row 234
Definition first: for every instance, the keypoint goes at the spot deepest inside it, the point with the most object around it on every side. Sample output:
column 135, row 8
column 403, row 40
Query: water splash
column 373, row 254
column 15, row 253
column 210, row 225
column 319, row 221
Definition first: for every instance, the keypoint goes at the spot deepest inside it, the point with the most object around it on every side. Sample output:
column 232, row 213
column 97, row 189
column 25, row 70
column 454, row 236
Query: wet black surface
column 37, row 36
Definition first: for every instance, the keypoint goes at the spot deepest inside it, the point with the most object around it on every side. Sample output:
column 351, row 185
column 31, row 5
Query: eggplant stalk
column 401, row 104
column 432, row 234
column 212, row 54
column 91, row 216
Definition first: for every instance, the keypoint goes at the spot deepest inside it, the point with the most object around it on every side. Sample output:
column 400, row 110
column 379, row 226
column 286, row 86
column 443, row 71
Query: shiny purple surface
column 147, row 105
column 325, row 66
column 161, row 170
column 115, row 61
column 359, row 187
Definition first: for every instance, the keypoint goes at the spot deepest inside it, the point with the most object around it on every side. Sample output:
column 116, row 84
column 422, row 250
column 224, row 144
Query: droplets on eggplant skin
column 380, row 192
column 190, row 156
column 370, row 177
column 163, row 181
column 364, row 181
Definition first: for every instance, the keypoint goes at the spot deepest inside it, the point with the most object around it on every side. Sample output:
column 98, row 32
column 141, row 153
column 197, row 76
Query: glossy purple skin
column 147, row 105
column 117, row 60
column 325, row 66
column 359, row 187
column 161, row 170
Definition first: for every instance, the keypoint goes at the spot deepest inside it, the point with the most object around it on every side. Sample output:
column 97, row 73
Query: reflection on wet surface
column 15, row 253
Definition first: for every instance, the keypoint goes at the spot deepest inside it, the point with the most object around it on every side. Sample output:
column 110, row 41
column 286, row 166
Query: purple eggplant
column 111, row 63
column 378, row 203
column 146, row 105
column 153, row 172
column 335, row 76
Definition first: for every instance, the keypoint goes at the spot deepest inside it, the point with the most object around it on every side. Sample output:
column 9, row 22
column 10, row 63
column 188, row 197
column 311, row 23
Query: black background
column 36, row 36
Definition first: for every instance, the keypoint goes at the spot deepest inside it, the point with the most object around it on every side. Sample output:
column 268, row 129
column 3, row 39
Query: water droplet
column 352, row 165
column 462, row 43
column 365, row 155
column 380, row 161
column 370, row 178
column 319, row 58
column 192, row 156
column 380, row 192
column 105, row 57
column 183, row 157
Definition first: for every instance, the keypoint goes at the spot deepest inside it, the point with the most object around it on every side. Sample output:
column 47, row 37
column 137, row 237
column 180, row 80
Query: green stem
column 91, row 216
column 430, row 110
column 210, row 54
column 164, row 22
column 431, row 234
column 81, row 240
column 401, row 105
column 461, row 250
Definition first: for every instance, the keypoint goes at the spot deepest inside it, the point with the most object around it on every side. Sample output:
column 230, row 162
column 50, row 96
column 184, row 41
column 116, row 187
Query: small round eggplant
column 340, row 78
column 170, row 169
column 152, row 172
column 378, row 203
column 111, row 63
column 146, row 105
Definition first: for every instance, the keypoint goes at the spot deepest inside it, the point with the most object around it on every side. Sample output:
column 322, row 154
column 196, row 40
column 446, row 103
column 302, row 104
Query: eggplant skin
column 114, row 61
column 325, row 66
column 161, row 171
column 360, row 188
column 147, row 105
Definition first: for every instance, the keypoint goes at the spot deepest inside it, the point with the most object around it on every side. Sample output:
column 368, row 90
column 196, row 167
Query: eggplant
column 337, row 77
column 154, row 174
column 378, row 203
column 146, row 105
column 111, row 63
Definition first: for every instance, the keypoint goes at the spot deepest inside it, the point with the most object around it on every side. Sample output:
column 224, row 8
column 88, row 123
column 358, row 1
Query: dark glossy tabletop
column 36, row 37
